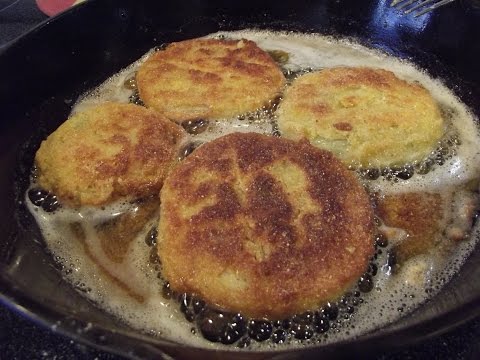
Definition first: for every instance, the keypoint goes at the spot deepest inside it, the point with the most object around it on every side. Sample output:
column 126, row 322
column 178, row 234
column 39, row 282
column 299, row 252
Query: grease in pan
column 389, row 291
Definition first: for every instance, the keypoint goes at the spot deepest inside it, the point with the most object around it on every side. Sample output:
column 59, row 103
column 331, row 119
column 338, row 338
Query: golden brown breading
column 421, row 215
column 107, row 152
column 265, row 226
column 209, row 79
column 366, row 116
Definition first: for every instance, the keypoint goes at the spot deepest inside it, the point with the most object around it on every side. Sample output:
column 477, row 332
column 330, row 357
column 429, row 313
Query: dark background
column 20, row 338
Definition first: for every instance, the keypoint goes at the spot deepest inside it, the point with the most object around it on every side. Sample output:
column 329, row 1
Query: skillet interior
column 43, row 72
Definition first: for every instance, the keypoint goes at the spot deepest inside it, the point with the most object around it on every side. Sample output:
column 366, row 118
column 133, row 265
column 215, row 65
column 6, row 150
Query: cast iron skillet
column 43, row 72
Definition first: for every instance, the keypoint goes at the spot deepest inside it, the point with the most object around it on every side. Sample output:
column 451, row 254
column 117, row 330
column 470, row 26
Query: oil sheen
column 123, row 278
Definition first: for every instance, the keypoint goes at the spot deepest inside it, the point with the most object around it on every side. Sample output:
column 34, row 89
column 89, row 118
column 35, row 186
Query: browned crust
column 265, row 226
column 366, row 116
column 209, row 78
column 421, row 215
column 107, row 152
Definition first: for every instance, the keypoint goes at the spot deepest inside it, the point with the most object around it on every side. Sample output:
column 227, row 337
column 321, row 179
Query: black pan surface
column 92, row 41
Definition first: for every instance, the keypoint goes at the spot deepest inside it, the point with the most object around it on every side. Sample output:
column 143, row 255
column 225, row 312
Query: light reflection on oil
column 388, row 19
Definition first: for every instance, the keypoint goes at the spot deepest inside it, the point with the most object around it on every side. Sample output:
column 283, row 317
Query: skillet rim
column 13, row 300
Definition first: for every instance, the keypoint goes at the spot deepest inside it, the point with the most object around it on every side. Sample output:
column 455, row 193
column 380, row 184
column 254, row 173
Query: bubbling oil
column 111, row 252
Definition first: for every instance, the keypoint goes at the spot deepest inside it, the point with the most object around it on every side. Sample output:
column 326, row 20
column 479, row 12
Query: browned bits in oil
column 445, row 151
column 381, row 240
column 425, row 167
column 77, row 230
column 405, row 172
column 187, row 149
column 370, row 174
column 279, row 56
column 153, row 258
column 135, row 99
column 130, row 83
column 454, row 140
column 291, row 75
column 167, row 293
column 265, row 112
column 365, row 283
column 195, row 127
column 151, row 238
column 273, row 104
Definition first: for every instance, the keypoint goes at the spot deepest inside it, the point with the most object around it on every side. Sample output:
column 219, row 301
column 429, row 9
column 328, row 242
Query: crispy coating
column 366, row 116
column 107, row 152
column 209, row 79
column 421, row 215
column 265, row 226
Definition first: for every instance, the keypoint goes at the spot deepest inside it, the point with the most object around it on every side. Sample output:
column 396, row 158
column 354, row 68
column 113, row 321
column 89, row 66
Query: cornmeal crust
column 366, row 116
column 209, row 79
column 265, row 226
column 107, row 152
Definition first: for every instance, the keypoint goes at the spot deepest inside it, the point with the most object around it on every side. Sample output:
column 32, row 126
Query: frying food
column 420, row 222
column 107, row 152
column 257, row 233
column 366, row 116
column 209, row 79
column 266, row 226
